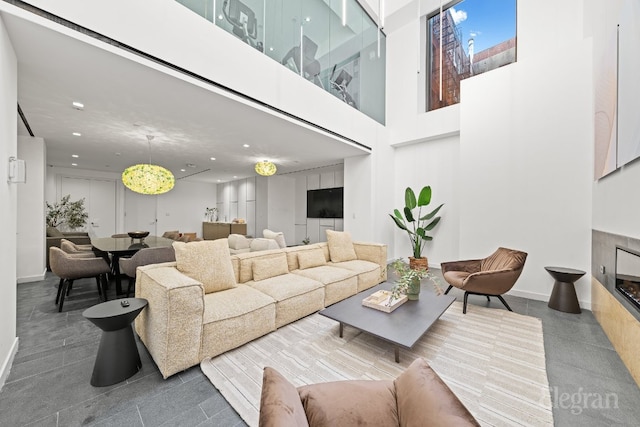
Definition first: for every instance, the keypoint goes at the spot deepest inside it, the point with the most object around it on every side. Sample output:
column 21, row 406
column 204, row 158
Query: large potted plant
column 416, row 224
column 73, row 214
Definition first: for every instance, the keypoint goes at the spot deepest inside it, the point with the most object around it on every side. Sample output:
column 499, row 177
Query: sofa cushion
column 350, row 403
column 267, row 268
column 54, row 232
column 238, row 242
column 280, row 404
column 262, row 244
column 172, row 234
column 310, row 259
column 277, row 236
column 340, row 246
column 208, row 262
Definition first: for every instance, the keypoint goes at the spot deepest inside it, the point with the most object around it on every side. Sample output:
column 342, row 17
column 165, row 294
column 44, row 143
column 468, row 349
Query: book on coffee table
column 381, row 300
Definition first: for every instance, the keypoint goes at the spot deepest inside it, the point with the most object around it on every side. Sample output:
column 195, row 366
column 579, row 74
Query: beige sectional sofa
column 188, row 320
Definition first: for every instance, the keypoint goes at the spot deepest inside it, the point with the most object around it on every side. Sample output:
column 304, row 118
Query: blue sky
column 489, row 22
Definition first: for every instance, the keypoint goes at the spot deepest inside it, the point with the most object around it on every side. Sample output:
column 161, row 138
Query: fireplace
column 628, row 274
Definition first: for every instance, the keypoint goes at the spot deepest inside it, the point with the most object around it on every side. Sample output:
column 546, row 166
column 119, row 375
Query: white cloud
column 458, row 15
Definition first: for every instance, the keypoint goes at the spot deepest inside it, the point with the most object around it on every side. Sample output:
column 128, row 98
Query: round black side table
column 563, row 296
column 118, row 357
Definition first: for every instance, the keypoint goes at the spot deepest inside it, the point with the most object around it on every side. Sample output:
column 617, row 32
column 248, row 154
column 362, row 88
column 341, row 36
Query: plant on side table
column 408, row 282
column 415, row 224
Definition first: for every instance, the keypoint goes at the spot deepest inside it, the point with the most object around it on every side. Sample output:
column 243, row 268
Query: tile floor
column 49, row 382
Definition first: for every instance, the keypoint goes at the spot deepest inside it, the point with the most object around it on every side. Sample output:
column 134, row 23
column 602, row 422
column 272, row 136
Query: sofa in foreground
column 418, row 397
column 209, row 301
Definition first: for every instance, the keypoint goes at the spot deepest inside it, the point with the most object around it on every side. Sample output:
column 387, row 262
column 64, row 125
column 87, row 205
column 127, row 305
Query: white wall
column 181, row 208
column 8, row 202
column 513, row 162
column 31, row 245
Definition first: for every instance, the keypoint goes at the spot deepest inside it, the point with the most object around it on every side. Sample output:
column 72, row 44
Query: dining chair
column 147, row 256
column 69, row 268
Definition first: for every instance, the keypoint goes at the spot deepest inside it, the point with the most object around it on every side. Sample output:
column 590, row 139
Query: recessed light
column 78, row 105
column 308, row 19
column 213, row 158
column 270, row 48
column 220, row 17
column 74, row 164
column 117, row 154
column 219, row 180
column 75, row 156
column 234, row 176
column 246, row 145
column 183, row 170
column 76, row 134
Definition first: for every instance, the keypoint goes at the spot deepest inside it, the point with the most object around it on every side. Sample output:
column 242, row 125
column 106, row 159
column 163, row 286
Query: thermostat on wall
column 17, row 171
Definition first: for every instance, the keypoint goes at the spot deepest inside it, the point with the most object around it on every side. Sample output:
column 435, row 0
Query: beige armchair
column 491, row 276
column 417, row 397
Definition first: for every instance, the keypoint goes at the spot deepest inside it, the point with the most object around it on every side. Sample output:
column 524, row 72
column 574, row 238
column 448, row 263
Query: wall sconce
column 17, row 171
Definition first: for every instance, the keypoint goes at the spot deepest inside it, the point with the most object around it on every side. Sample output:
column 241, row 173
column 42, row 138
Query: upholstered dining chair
column 73, row 248
column 69, row 268
column 146, row 256
column 491, row 276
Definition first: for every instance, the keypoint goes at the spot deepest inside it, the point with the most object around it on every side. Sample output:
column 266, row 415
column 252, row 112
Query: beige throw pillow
column 340, row 246
column 208, row 262
column 277, row 236
column 311, row 258
column 266, row 268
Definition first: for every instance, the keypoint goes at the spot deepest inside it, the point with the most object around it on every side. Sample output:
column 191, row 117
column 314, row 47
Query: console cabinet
column 220, row 230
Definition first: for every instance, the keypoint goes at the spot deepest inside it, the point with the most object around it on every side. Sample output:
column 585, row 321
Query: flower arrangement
column 409, row 278
column 211, row 214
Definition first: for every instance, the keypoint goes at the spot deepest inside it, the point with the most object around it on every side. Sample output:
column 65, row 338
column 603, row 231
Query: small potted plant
column 408, row 282
column 415, row 224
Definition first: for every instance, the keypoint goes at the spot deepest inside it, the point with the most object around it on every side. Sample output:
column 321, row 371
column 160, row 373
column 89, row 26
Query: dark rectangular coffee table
column 403, row 327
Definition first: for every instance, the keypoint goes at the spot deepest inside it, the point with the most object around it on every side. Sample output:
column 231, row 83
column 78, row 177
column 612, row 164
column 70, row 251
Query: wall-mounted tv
column 325, row 203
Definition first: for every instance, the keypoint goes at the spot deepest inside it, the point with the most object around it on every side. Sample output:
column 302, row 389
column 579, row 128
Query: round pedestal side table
column 563, row 296
column 118, row 357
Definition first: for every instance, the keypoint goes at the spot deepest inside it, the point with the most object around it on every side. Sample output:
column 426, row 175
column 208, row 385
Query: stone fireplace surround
column 619, row 318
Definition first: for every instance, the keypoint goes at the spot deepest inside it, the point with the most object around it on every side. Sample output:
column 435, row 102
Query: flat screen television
column 325, row 203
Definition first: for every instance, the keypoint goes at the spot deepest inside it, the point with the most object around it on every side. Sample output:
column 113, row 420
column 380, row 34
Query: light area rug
column 492, row 359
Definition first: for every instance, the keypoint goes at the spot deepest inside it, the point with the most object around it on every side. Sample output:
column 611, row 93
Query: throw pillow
column 54, row 232
column 311, row 258
column 340, row 246
column 208, row 262
column 266, row 268
column 277, row 236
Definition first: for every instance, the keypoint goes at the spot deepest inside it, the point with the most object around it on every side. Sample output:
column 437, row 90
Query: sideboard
column 220, row 230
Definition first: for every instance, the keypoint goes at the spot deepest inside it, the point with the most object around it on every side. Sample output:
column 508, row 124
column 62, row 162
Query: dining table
column 114, row 248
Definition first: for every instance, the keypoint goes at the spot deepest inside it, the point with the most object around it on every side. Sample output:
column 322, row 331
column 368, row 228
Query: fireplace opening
column 628, row 274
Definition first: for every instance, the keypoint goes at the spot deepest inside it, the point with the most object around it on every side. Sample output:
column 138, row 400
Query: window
column 468, row 38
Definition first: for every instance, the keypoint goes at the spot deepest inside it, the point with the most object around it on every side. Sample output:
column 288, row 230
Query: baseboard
column 8, row 362
column 28, row 279
column 585, row 305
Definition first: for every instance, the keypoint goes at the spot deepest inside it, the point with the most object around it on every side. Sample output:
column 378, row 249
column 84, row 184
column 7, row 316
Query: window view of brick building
column 453, row 53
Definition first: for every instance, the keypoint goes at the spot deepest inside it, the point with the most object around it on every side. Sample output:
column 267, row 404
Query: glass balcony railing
column 332, row 43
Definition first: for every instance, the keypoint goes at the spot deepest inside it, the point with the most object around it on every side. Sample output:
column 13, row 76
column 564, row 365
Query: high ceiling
column 124, row 101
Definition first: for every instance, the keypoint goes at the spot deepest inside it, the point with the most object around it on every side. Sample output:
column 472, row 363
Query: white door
column 100, row 202
column 140, row 212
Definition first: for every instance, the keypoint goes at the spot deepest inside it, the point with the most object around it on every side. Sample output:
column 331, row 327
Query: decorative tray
column 380, row 301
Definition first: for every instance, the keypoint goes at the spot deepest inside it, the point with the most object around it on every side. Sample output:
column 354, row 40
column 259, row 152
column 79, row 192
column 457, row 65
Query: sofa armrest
column 374, row 252
column 468, row 266
column 171, row 325
column 424, row 399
